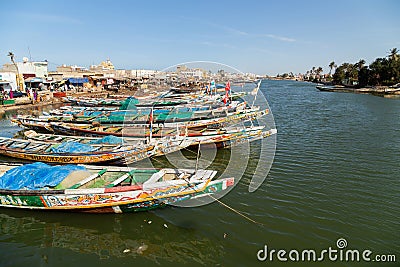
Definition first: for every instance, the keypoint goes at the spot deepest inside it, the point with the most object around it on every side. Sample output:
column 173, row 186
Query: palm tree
column 393, row 54
column 331, row 66
column 318, row 71
column 360, row 64
column 19, row 83
column 11, row 55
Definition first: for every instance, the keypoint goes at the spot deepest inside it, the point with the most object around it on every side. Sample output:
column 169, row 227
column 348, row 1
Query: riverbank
column 376, row 90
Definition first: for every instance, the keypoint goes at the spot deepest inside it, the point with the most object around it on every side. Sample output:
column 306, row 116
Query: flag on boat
column 227, row 91
column 228, row 87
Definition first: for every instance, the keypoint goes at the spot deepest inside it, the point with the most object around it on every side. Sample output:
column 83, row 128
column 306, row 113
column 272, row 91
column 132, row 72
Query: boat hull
column 108, row 200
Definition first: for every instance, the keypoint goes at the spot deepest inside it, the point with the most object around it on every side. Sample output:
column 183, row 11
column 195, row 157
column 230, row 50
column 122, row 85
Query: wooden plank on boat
column 38, row 147
column 120, row 179
column 88, row 179
column 17, row 144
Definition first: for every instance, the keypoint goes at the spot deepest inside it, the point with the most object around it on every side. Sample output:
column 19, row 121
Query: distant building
column 181, row 68
column 64, row 72
column 75, row 68
column 8, row 81
column 143, row 73
column 103, row 66
column 28, row 68
column 193, row 73
column 250, row 75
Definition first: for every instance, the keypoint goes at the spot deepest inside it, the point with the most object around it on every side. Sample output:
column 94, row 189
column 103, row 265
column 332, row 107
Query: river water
column 336, row 175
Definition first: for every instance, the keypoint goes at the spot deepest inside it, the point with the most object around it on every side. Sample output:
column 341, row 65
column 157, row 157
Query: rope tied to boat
column 237, row 212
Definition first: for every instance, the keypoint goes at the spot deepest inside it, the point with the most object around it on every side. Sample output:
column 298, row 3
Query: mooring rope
column 236, row 211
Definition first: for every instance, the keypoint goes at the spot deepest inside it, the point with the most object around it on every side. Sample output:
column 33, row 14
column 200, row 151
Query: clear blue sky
column 264, row 37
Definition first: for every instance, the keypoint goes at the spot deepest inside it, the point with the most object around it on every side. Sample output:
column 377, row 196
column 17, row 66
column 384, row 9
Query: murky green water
column 336, row 175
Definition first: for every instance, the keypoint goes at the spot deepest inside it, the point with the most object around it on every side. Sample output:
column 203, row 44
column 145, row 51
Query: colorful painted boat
column 193, row 137
column 141, row 130
column 99, row 189
column 143, row 116
column 142, row 148
column 246, row 135
column 56, row 138
column 28, row 123
column 230, row 138
column 196, row 109
column 93, row 102
column 68, row 152
column 43, row 123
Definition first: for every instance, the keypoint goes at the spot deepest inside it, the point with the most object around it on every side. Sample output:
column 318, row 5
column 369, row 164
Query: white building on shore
column 8, row 81
column 38, row 69
column 141, row 73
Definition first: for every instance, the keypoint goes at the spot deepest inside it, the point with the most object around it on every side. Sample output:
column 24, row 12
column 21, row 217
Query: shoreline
column 377, row 90
column 25, row 106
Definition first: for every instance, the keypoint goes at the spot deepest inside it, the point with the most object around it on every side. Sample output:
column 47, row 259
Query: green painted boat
column 104, row 189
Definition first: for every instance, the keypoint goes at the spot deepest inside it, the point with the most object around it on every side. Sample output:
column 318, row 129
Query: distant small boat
column 334, row 89
column 325, row 88
column 102, row 189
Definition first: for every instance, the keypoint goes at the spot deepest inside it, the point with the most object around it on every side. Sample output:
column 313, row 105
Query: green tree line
column 382, row 71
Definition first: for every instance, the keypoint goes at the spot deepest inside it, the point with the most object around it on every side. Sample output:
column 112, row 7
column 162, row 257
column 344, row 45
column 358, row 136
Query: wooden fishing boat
column 141, row 132
column 69, row 152
column 162, row 129
column 125, row 117
column 143, row 148
column 79, row 111
column 101, row 189
column 205, row 135
column 28, row 123
column 231, row 137
column 219, row 118
column 142, row 116
column 246, row 135
column 56, row 138
column 94, row 102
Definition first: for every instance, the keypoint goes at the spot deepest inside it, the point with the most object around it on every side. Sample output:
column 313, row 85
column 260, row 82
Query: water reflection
column 136, row 235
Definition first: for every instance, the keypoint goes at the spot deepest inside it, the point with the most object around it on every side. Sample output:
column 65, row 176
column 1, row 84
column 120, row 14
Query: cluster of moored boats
column 116, row 132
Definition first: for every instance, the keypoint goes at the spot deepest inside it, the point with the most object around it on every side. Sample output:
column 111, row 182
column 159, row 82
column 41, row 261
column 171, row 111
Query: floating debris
column 142, row 248
column 149, row 222
column 126, row 250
